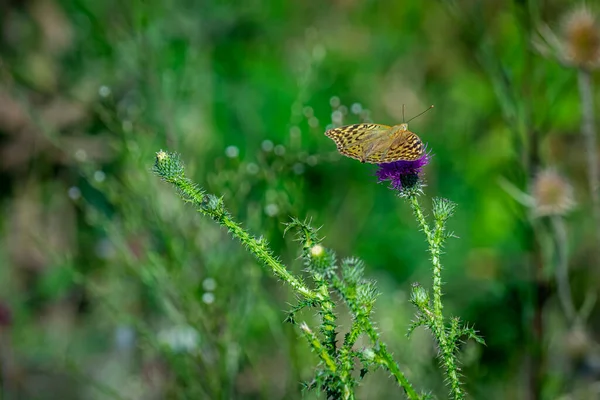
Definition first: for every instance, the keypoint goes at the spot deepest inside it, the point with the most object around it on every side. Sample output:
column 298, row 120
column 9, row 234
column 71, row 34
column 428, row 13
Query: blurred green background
column 111, row 287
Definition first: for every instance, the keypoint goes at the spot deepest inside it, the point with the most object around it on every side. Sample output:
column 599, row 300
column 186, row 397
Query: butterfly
column 378, row 144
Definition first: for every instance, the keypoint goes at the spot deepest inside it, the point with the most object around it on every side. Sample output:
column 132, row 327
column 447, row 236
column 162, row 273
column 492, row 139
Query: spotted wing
column 407, row 147
column 354, row 140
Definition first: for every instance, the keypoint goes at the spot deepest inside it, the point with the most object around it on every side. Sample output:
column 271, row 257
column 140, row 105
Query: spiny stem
column 362, row 322
column 316, row 345
column 328, row 327
column 339, row 364
column 414, row 202
column 435, row 239
column 385, row 359
column 264, row 256
column 170, row 168
column 346, row 386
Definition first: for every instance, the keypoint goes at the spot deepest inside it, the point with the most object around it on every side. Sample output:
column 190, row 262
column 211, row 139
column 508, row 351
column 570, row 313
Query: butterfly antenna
column 418, row 115
column 402, row 113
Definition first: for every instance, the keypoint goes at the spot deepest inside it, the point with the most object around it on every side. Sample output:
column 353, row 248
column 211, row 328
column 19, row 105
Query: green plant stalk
column 345, row 353
column 264, row 256
column 588, row 131
column 320, row 266
column 348, row 294
column 169, row 168
column 189, row 192
column 353, row 334
column 435, row 239
column 383, row 357
column 328, row 328
column 563, row 286
column 316, row 345
column 313, row 341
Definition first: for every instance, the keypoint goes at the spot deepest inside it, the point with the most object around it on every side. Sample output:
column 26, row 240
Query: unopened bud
column 317, row 250
column 419, row 296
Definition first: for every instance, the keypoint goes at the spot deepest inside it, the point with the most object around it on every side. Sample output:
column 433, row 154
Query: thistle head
column 581, row 38
column 404, row 176
column 552, row 194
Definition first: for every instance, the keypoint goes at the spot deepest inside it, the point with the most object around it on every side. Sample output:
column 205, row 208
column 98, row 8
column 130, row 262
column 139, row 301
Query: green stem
column 266, row 258
column 328, row 327
column 414, row 202
column 435, row 239
column 318, row 348
column 362, row 321
column 385, row 359
column 563, row 287
column 169, row 168
column 189, row 192
column 346, row 386
column 588, row 131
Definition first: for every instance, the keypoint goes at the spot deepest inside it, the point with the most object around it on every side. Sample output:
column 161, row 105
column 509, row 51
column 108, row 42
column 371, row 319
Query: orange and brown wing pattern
column 354, row 140
column 407, row 147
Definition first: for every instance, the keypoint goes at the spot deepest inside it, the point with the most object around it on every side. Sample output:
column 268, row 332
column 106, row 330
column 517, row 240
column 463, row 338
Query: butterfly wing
column 354, row 140
column 406, row 147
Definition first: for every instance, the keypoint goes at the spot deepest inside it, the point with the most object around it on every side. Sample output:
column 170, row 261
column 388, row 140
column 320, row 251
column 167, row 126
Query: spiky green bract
column 429, row 312
column 414, row 189
column 335, row 371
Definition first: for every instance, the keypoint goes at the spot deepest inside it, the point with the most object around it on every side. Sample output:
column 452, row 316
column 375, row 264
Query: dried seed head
column 552, row 194
column 578, row 342
column 581, row 38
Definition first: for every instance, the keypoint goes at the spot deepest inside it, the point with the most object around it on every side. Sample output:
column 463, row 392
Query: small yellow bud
column 161, row 155
column 317, row 250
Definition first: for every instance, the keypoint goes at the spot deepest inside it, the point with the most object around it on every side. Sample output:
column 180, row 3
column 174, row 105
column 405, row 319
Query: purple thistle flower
column 402, row 174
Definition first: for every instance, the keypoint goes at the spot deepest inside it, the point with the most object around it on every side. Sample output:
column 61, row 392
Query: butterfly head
column 403, row 127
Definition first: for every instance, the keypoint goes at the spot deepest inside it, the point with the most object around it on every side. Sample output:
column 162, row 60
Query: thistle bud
column 168, row 165
column 419, row 296
column 317, row 250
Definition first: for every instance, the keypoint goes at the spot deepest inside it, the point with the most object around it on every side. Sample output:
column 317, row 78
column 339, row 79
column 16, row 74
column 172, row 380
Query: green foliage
column 111, row 289
column 429, row 315
column 334, row 374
